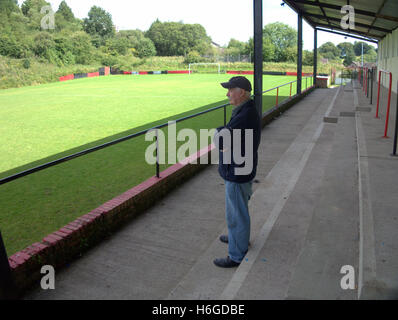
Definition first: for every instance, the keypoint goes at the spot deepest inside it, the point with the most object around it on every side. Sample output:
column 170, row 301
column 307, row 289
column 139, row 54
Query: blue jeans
column 237, row 196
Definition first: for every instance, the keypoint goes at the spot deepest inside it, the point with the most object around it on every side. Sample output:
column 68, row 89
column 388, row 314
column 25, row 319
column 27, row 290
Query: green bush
column 145, row 48
column 193, row 57
column 26, row 63
column 44, row 41
column 117, row 46
column 82, row 48
column 52, row 56
column 109, row 60
column 9, row 46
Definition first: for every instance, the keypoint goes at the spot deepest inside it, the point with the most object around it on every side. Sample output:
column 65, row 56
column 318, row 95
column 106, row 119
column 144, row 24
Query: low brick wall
column 72, row 240
column 69, row 242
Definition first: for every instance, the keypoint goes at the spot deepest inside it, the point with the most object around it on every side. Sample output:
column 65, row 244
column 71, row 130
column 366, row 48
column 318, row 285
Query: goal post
column 192, row 66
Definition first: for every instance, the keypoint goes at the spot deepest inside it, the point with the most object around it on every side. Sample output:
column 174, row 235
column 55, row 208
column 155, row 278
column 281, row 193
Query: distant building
column 215, row 44
column 355, row 65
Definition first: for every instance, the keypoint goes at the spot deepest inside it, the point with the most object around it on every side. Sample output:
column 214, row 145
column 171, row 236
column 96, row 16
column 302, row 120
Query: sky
column 222, row 19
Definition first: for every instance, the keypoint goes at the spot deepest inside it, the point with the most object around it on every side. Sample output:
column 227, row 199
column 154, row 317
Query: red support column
column 277, row 94
column 388, row 106
column 378, row 95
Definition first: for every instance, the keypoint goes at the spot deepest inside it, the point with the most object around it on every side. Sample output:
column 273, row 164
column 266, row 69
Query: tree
column 196, row 37
column 236, row 44
column 99, row 22
column 349, row 58
column 176, row 38
column 346, row 52
column 290, row 54
column 65, row 11
column 236, row 48
column 25, row 7
column 65, row 19
column 308, row 58
column 30, row 6
column 329, row 51
column 268, row 49
column 32, row 10
column 82, row 47
column 143, row 47
column 8, row 6
column 371, row 56
column 282, row 37
column 117, row 46
column 346, row 48
column 358, row 48
column 10, row 46
column 193, row 57
column 43, row 41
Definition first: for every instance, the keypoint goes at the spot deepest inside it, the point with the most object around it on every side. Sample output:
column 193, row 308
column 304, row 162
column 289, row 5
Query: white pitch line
column 244, row 268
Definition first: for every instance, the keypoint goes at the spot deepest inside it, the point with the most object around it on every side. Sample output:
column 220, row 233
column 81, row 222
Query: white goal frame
column 203, row 63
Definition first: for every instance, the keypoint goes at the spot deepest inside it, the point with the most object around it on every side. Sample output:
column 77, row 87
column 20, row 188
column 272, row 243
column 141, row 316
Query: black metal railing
column 394, row 148
column 102, row 146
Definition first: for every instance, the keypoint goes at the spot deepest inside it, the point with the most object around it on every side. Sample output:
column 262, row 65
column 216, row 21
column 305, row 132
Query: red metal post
column 388, row 106
column 378, row 95
column 277, row 94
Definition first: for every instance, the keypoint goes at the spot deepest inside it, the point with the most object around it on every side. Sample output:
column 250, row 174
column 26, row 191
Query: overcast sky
column 222, row 19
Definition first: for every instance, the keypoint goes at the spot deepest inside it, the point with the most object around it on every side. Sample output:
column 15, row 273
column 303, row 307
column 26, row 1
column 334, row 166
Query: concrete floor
column 326, row 196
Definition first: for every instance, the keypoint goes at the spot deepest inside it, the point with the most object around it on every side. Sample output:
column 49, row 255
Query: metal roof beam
column 378, row 11
column 297, row 9
column 350, row 31
column 324, row 13
column 347, row 35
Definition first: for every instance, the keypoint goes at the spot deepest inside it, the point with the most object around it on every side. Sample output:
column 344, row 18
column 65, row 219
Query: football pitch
column 39, row 124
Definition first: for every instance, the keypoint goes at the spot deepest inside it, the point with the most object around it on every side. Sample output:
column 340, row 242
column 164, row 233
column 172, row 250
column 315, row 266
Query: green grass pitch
column 42, row 123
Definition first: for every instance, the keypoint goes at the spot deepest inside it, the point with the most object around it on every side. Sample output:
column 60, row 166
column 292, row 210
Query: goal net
column 204, row 68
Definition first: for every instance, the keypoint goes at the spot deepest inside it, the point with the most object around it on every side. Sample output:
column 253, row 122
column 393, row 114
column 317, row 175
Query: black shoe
column 224, row 238
column 226, row 263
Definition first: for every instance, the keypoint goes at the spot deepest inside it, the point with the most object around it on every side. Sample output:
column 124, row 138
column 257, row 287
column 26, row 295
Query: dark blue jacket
column 244, row 117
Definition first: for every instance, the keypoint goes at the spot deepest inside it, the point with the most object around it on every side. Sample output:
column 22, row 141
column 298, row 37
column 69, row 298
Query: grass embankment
column 14, row 75
column 43, row 123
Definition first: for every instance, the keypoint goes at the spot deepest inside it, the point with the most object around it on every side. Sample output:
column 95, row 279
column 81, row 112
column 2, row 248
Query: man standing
column 238, row 143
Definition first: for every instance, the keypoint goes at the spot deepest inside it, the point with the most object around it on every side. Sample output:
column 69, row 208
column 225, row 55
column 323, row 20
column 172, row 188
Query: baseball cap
column 238, row 82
